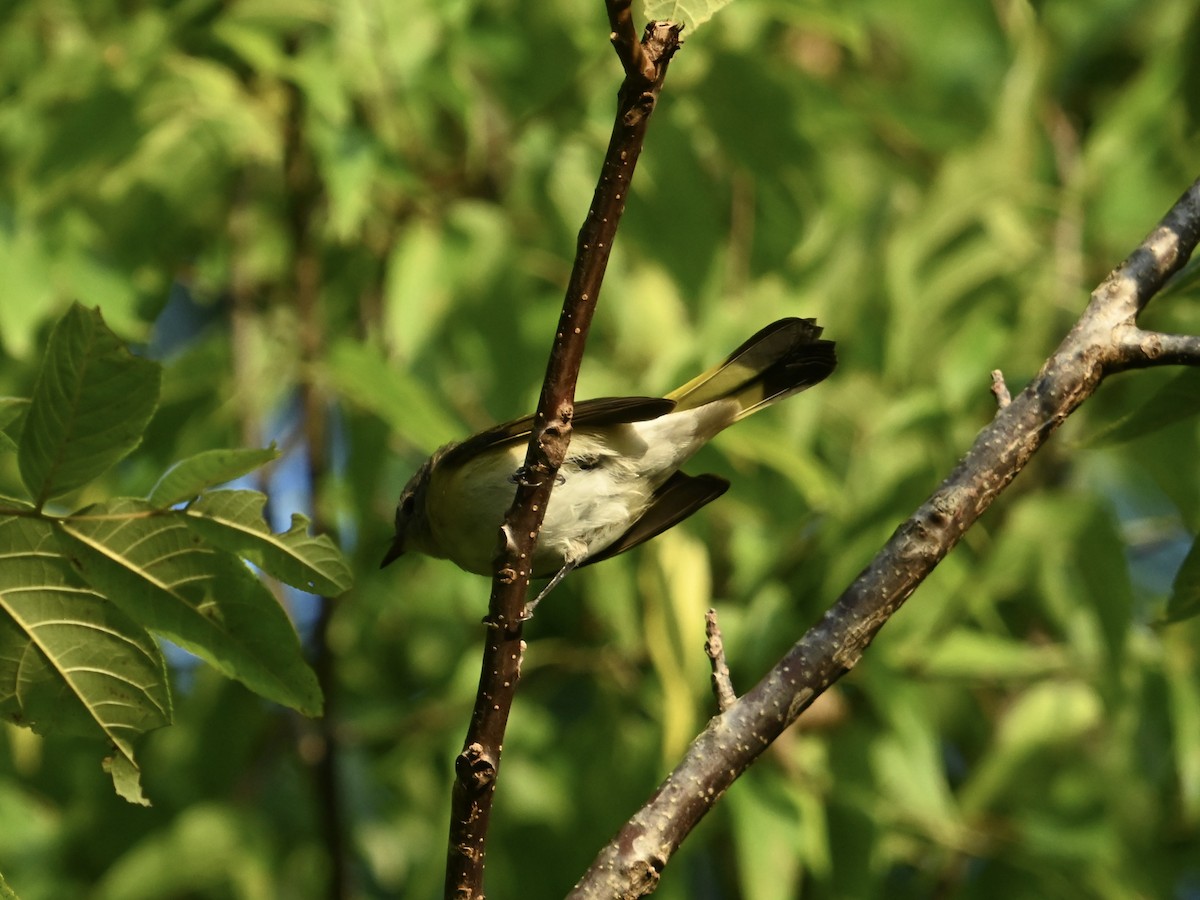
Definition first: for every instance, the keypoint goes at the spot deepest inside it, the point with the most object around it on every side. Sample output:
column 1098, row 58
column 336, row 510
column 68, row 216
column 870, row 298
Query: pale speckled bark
column 1106, row 339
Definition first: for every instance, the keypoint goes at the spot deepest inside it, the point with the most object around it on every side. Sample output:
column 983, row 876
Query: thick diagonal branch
column 478, row 764
column 629, row 866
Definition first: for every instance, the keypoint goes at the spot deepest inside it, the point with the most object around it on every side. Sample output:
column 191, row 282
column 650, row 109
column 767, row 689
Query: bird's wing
column 679, row 497
column 591, row 413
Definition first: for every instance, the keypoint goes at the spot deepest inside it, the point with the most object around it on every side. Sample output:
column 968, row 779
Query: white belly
column 604, row 486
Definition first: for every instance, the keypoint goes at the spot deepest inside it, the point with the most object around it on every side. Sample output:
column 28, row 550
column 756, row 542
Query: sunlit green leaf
column 70, row 661
column 969, row 654
column 6, row 893
column 689, row 13
column 1051, row 713
column 159, row 571
column 234, row 520
column 766, row 828
column 90, row 406
column 126, row 778
column 209, row 468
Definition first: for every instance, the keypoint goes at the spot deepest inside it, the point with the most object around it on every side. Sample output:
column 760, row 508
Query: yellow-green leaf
column 163, row 574
column 234, row 521
column 70, row 661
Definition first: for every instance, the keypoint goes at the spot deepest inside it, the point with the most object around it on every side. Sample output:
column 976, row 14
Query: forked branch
column 1106, row 339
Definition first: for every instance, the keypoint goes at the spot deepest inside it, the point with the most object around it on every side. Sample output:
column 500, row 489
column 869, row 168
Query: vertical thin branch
column 243, row 291
column 319, row 749
column 477, row 765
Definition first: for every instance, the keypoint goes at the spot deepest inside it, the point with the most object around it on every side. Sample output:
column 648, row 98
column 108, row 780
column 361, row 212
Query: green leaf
column 6, row 893
column 1183, row 707
column 1053, row 713
column 766, row 831
column 70, row 661
column 164, row 862
column 691, row 14
column 1104, row 576
column 1048, row 714
column 233, row 520
column 970, row 654
column 1175, row 401
column 1182, row 282
column 11, row 409
column 361, row 374
column 1184, row 602
column 163, row 574
column 188, row 478
column 126, row 779
column 90, row 405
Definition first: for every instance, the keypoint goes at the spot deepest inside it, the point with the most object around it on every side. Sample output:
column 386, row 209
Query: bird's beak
column 394, row 552
column 403, row 513
column 409, row 513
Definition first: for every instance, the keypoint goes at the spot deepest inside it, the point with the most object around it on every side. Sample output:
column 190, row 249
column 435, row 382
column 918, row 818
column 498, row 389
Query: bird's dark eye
column 587, row 463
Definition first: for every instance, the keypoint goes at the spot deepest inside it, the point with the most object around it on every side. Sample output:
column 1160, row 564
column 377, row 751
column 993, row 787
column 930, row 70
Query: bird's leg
column 527, row 612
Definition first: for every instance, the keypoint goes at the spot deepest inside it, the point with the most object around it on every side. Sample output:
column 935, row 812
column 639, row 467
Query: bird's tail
column 780, row 360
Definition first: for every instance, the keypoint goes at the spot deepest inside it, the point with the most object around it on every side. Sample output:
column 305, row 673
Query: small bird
column 620, row 484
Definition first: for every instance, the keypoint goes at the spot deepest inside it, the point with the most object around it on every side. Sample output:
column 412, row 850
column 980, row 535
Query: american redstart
column 620, row 484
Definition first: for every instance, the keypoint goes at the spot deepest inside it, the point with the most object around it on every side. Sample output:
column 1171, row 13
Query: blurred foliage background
column 347, row 227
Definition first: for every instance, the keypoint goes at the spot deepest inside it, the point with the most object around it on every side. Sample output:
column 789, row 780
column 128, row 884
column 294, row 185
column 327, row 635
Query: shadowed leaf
column 11, row 409
column 1184, row 602
column 1175, row 401
column 90, row 405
